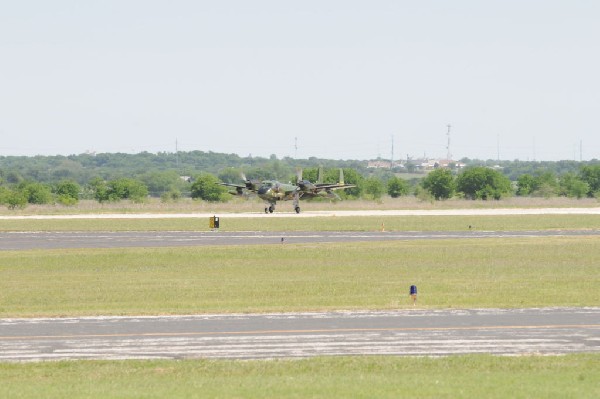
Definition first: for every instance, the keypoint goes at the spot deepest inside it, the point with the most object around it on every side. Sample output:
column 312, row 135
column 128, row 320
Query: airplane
column 272, row 191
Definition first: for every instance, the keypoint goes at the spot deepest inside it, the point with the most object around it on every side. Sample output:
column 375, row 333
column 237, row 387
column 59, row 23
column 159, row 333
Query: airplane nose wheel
column 270, row 209
column 297, row 209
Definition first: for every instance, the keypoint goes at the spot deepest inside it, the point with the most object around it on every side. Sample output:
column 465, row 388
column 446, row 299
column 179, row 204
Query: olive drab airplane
column 272, row 191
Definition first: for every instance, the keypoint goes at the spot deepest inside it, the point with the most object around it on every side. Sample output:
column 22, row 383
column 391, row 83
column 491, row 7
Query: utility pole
column 448, row 154
column 392, row 158
column 295, row 147
column 498, row 146
column 177, row 153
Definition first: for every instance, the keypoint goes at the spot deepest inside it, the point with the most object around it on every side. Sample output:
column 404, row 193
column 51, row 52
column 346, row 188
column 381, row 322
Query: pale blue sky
column 343, row 77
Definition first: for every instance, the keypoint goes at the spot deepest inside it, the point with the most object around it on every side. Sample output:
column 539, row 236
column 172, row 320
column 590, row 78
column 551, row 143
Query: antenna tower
column 295, row 147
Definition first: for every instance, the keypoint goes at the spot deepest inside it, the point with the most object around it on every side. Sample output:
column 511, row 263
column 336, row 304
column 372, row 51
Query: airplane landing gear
column 297, row 202
column 270, row 209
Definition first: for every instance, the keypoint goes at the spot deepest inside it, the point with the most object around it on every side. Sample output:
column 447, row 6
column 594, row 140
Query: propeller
column 251, row 185
column 304, row 185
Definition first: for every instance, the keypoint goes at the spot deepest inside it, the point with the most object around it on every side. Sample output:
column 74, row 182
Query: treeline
column 485, row 183
column 113, row 177
column 84, row 167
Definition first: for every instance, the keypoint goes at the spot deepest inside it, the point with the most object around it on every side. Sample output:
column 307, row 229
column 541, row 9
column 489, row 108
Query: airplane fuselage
column 272, row 191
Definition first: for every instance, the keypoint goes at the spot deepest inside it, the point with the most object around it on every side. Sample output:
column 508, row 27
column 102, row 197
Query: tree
column 546, row 184
column 351, row 176
column 440, row 183
column 126, row 188
column 119, row 189
column 36, row 193
column 483, row 183
column 160, row 182
column 206, row 187
column 16, row 199
column 67, row 192
column 373, row 187
column 397, row 187
column 591, row 175
column 100, row 189
column 525, row 185
column 571, row 186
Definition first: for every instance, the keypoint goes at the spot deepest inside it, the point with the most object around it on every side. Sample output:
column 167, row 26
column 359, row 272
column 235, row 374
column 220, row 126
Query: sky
column 335, row 79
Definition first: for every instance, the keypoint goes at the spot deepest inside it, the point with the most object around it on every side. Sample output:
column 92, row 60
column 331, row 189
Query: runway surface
column 54, row 240
column 291, row 335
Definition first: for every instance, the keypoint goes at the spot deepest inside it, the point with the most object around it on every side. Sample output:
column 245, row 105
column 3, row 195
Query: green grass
column 472, row 376
column 328, row 223
column 557, row 271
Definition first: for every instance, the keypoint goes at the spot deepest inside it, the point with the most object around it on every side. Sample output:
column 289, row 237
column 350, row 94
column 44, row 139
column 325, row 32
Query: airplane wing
column 335, row 186
column 249, row 186
column 321, row 189
column 239, row 189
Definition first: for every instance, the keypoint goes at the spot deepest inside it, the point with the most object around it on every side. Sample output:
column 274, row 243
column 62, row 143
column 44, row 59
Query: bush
column 206, row 187
column 483, row 183
column 397, row 187
column 440, row 184
column 67, row 192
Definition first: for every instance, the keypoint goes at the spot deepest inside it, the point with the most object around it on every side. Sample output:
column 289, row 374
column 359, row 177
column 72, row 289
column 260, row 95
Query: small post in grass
column 413, row 293
column 213, row 223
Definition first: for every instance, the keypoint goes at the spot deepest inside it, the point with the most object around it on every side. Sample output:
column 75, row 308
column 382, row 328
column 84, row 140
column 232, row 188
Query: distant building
column 379, row 164
column 419, row 164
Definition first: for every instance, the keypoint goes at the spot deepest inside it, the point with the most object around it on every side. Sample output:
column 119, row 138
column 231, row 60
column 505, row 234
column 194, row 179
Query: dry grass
column 255, row 205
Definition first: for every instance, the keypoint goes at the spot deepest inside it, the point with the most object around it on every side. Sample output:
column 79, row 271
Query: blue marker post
column 413, row 293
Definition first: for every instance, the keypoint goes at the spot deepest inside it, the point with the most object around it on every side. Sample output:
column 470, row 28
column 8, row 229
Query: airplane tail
column 341, row 176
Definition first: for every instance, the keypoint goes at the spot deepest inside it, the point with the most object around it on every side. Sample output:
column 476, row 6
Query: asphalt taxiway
column 55, row 240
column 254, row 336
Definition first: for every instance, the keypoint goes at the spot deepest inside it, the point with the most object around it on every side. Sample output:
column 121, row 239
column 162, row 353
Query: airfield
column 416, row 331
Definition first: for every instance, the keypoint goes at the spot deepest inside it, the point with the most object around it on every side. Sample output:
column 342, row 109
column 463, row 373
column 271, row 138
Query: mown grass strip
column 328, row 223
column 506, row 273
column 471, row 376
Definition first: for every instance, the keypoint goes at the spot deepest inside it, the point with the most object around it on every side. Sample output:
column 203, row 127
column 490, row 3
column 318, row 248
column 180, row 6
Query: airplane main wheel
column 271, row 209
column 297, row 209
column 266, row 210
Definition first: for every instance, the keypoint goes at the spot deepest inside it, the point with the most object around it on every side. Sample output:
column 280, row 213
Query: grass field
column 532, row 272
column 473, row 376
column 330, row 223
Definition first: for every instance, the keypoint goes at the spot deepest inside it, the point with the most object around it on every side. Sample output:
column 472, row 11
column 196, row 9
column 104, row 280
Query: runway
column 61, row 240
column 295, row 335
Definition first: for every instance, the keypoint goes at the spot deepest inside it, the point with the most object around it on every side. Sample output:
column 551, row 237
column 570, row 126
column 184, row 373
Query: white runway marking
column 336, row 213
